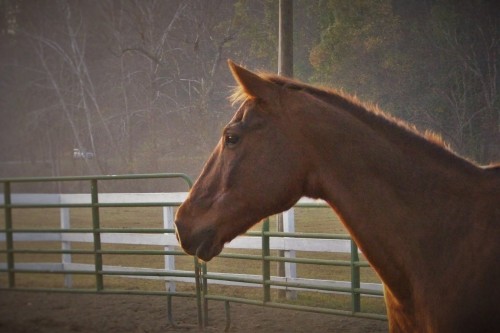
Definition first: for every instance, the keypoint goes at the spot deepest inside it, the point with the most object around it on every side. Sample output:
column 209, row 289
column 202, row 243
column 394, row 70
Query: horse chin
column 208, row 249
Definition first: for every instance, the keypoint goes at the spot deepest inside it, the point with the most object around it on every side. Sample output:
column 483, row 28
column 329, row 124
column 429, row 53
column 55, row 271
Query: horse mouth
column 202, row 244
column 208, row 250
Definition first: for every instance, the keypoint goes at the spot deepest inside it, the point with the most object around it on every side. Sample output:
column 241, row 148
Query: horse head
column 256, row 170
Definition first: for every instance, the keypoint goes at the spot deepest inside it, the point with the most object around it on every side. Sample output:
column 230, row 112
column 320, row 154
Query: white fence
column 287, row 244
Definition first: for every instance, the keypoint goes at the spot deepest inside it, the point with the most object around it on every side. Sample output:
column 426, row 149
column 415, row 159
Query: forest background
column 132, row 86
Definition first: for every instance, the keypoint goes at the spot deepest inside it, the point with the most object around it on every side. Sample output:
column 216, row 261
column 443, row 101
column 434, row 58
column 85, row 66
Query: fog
column 115, row 87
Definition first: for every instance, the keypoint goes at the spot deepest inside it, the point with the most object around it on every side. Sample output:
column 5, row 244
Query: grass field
column 307, row 220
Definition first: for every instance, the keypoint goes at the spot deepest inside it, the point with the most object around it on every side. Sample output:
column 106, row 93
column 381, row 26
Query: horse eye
column 231, row 139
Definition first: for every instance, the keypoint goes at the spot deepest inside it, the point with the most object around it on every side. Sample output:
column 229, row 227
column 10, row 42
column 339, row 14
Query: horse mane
column 368, row 113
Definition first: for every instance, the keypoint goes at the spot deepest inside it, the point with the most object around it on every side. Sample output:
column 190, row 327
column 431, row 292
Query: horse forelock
column 239, row 95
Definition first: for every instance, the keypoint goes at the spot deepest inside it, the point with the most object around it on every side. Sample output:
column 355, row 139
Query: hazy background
column 141, row 86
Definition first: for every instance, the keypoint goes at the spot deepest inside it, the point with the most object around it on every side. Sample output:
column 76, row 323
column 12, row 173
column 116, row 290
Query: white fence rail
column 287, row 244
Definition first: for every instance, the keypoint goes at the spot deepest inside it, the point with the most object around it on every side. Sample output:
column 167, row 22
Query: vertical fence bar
column 204, row 285
column 266, row 264
column 290, row 267
column 355, row 278
column 65, row 246
column 9, row 237
column 168, row 223
column 96, row 225
column 280, row 265
column 199, row 293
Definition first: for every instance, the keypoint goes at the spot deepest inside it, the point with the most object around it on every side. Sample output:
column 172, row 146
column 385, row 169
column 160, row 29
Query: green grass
column 306, row 219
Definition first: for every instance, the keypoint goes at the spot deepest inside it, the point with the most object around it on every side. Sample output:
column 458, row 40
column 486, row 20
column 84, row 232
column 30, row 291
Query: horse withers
column 427, row 220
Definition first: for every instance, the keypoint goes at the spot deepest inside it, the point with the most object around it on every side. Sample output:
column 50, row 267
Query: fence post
column 66, row 245
column 168, row 223
column 96, row 226
column 355, row 278
column 9, row 238
column 290, row 267
column 280, row 265
column 266, row 264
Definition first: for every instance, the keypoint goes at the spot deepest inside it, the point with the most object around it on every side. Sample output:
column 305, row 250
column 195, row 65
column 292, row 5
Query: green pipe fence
column 200, row 274
column 267, row 283
column 98, row 272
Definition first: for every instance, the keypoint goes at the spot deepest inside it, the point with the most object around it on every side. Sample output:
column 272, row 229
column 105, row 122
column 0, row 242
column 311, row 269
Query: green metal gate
column 200, row 272
column 97, row 232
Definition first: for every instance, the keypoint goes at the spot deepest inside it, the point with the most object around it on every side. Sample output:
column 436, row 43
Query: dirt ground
column 23, row 312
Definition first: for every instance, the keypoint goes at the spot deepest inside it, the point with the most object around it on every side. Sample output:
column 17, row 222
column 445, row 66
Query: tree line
column 131, row 86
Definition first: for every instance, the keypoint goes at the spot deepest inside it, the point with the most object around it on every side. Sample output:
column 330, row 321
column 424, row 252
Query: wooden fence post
column 168, row 223
column 290, row 267
column 65, row 245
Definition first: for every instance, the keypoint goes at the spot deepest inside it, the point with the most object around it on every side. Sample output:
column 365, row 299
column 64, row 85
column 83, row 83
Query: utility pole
column 285, row 50
column 285, row 68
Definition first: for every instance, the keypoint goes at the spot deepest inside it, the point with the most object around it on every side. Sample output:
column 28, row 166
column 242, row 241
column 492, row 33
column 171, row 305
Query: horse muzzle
column 201, row 243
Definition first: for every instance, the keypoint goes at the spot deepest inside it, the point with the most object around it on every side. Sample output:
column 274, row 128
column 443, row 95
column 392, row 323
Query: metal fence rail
column 267, row 281
column 99, row 270
column 199, row 275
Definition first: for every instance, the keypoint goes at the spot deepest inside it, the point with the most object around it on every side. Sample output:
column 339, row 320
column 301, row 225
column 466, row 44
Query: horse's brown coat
column 427, row 220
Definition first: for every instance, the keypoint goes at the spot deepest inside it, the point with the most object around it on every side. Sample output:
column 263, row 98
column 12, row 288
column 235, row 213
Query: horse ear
column 252, row 84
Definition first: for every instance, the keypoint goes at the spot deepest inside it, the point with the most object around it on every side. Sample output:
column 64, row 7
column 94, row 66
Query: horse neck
column 387, row 186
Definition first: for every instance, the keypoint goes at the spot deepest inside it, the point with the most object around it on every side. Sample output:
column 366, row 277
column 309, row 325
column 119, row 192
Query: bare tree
column 134, row 82
column 63, row 61
column 469, row 42
column 170, row 54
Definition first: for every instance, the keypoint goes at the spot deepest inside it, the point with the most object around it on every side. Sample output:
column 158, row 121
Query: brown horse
column 427, row 220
